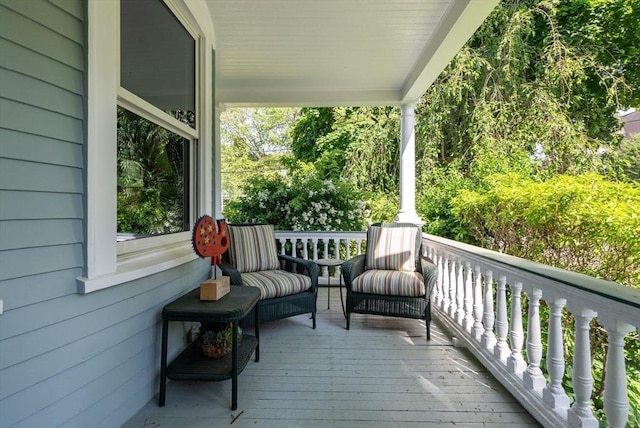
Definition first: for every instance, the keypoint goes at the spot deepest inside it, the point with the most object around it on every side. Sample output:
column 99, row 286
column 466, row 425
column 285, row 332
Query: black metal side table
column 328, row 263
column 192, row 364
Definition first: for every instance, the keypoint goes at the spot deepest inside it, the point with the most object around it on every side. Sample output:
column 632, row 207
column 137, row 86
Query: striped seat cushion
column 253, row 248
column 391, row 248
column 390, row 283
column 276, row 283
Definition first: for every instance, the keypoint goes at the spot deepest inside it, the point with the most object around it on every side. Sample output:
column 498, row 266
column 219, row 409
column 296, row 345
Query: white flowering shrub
column 305, row 203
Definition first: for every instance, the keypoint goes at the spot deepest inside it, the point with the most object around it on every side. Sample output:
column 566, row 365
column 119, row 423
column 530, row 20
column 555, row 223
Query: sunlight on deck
column 381, row 373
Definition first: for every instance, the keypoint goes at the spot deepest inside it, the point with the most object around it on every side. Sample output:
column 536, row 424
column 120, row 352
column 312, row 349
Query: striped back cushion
column 391, row 248
column 253, row 248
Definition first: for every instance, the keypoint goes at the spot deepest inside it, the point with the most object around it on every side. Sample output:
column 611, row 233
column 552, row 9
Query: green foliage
column 150, row 176
column 515, row 89
column 628, row 157
column 356, row 144
column 314, row 123
column 300, row 203
column 581, row 223
column 254, row 143
column 438, row 188
column 257, row 132
column 608, row 32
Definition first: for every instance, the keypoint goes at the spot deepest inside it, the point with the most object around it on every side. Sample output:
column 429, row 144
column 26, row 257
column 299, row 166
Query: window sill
column 135, row 265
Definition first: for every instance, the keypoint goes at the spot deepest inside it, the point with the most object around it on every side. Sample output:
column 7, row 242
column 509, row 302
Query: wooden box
column 214, row 289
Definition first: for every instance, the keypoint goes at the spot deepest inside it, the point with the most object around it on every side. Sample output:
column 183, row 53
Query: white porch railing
column 322, row 245
column 479, row 295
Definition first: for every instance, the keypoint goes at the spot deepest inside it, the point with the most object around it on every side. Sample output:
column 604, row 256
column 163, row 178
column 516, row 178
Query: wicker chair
column 288, row 285
column 392, row 278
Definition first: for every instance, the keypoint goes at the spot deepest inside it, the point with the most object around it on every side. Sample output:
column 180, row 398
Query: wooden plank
column 42, row 67
column 37, row 37
column 25, row 118
column 40, row 94
column 367, row 376
column 40, row 177
column 98, row 352
column 73, row 7
column 32, row 261
column 21, row 234
column 33, row 289
column 51, row 16
column 19, row 205
column 37, row 148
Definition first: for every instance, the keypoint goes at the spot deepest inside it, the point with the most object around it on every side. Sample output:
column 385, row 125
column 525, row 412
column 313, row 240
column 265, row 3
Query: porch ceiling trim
column 336, row 52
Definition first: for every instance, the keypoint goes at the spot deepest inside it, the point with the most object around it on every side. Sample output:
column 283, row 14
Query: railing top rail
column 608, row 289
column 320, row 234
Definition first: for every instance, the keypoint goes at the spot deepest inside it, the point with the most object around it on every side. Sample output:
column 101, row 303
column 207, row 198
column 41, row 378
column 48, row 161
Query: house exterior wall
column 65, row 359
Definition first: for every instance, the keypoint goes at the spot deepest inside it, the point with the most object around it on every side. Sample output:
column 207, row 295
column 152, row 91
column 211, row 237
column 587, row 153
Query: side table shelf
column 193, row 365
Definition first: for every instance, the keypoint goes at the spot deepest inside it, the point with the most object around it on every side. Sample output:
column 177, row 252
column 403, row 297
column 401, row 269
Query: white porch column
column 216, row 177
column 408, row 166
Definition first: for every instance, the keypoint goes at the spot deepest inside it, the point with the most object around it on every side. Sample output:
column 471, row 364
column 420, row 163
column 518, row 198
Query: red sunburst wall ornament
column 210, row 238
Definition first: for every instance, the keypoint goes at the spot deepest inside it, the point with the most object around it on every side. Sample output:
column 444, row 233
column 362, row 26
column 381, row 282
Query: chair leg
column 313, row 316
column 428, row 323
column 348, row 320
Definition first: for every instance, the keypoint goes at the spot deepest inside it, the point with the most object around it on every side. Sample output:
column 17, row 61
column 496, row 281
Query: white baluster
column 460, row 294
column 488, row 337
column 453, row 287
column 477, row 303
column 501, row 350
column 468, row 297
column 616, row 401
column 314, row 242
column 515, row 362
column 554, row 394
column 580, row 414
column 533, row 377
column 445, row 285
column 437, row 298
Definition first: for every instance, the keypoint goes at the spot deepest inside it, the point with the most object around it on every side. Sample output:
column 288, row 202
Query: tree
column 254, row 143
column 258, row 132
column 517, row 87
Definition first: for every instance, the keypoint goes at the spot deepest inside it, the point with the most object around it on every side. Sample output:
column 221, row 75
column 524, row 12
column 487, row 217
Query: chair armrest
column 234, row 276
column 429, row 274
column 301, row 266
column 351, row 269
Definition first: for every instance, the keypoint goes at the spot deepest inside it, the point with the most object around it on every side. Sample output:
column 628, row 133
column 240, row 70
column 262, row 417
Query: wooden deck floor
column 381, row 373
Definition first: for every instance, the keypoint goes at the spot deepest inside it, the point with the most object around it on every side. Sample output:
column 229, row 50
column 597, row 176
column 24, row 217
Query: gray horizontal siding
column 41, row 149
column 40, row 67
column 39, row 205
column 50, row 40
column 39, row 177
column 30, row 261
column 65, row 359
column 38, row 288
column 85, row 358
column 22, row 234
column 46, row 123
column 40, row 93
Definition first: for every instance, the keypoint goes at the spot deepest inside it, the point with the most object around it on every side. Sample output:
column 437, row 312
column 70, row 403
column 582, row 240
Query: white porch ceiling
column 336, row 52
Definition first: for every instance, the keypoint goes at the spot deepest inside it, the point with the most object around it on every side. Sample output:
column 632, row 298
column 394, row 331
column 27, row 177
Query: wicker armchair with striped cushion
column 392, row 278
column 288, row 285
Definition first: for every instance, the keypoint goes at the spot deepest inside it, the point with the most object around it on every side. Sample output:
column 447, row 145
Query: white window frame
column 109, row 263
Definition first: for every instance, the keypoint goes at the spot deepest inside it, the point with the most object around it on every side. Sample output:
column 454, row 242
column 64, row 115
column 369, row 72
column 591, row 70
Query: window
column 158, row 71
column 149, row 67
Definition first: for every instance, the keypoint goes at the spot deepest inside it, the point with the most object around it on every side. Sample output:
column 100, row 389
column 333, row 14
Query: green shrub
column 300, row 203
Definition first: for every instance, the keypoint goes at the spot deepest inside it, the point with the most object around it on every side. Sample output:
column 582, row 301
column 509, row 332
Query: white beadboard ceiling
column 336, row 52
